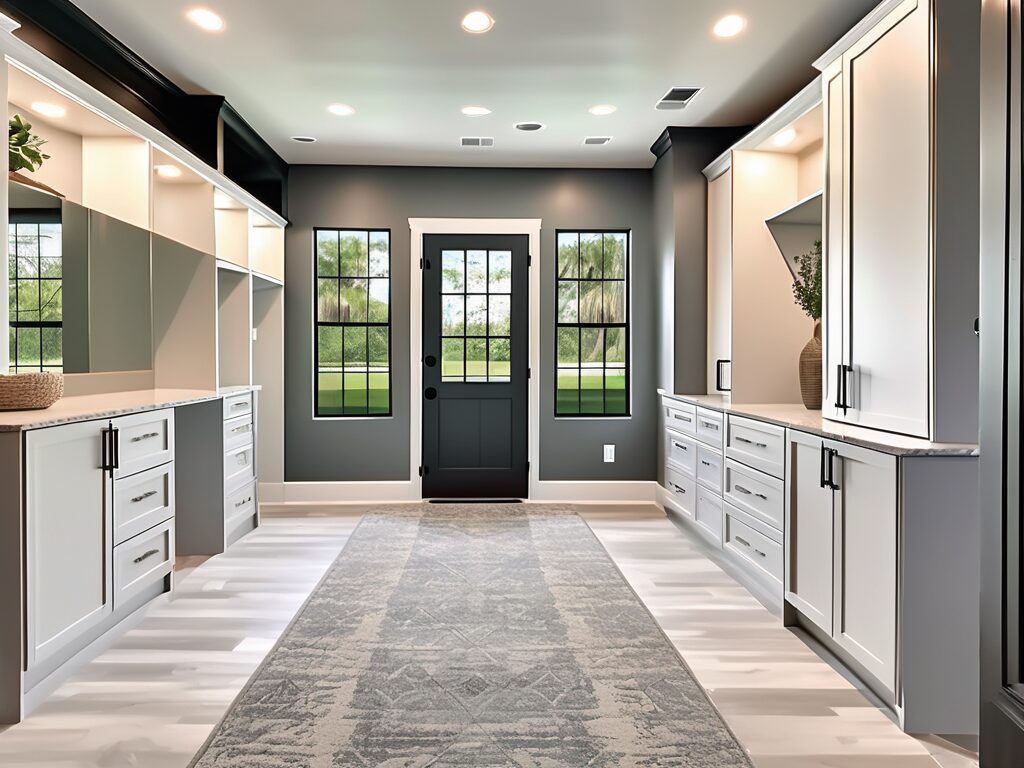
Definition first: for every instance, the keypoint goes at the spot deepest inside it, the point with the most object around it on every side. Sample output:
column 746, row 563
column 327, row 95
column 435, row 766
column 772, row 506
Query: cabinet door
column 833, row 262
column 68, row 536
column 888, row 223
column 866, row 558
column 719, row 282
column 810, row 534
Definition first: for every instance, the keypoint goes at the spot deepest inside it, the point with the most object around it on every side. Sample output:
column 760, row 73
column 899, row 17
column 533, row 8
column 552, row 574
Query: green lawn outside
column 595, row 396
column 363, row 395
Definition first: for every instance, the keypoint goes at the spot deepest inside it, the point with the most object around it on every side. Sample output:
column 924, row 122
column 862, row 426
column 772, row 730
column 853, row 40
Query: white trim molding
column 420, row 227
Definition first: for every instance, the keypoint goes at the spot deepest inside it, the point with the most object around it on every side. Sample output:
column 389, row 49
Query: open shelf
column 182, row 204
column 234, row 362
column 797, row 228
column 266, row 248
column 268, row 373
column 231, row 221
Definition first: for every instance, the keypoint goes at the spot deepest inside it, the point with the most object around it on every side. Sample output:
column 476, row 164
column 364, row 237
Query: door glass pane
column 500, row 360
column 453, row 353
column 476, row 359
column 500, row 275
column 500, row 315
column 453, row 272
column 453, row 316
column 476, row 272
column 476, row 315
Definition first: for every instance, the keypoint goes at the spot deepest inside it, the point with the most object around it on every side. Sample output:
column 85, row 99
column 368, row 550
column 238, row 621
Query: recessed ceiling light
column 167, row 171
column 596, row 141
column 529, row 127
column 475, row 111
column 46, row 109
column 602, row 109
column 477, row 22
column 730, row 26
column 304, row 139
column 341, row 110
column 784, row 138
column 205, row 19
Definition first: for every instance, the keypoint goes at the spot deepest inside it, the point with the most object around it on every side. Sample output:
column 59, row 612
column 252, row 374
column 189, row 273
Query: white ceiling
column 408, row 68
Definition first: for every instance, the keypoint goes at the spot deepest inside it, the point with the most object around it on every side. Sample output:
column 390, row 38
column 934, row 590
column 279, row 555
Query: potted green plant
column 807, row 292
column 25, row 153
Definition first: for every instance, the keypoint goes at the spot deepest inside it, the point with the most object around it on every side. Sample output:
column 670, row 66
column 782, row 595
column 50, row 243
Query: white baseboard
column 285, row 494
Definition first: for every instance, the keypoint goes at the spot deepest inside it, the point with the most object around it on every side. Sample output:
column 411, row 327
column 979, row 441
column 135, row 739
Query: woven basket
column 30, row 391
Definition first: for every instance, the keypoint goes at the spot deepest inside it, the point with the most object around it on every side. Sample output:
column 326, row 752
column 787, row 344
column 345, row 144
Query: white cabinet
column 68, row 536
column 719, row 282
column 901, row 214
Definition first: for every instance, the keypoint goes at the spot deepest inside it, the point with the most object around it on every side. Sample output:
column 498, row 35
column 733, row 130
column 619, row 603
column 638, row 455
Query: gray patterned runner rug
column 476, row 636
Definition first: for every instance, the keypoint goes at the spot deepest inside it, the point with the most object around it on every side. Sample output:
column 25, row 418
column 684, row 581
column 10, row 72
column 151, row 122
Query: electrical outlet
column 609, row 454
column 255, row 334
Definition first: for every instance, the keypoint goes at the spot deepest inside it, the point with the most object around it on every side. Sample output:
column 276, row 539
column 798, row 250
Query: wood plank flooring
column 152, row 698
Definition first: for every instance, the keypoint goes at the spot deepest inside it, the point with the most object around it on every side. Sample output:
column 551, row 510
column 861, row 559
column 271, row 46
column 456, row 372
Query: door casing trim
column 418, row 228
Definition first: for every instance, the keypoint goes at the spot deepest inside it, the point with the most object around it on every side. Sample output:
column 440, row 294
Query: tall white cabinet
column 901, row 227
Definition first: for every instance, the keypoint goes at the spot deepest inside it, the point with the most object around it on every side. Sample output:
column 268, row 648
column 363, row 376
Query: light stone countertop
column 88, row 407
column 797, row 417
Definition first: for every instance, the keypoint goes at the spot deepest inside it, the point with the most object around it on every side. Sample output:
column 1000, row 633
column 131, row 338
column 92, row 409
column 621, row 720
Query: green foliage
column 807, row 286
column 24, row 148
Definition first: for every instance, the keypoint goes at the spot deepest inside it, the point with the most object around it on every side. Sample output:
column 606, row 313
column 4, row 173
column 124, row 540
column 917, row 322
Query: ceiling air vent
column 478, row 141
column 677, row 98
column 596, row 141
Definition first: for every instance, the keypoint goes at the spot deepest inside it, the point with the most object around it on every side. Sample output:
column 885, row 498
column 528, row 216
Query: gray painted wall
column 348, row 196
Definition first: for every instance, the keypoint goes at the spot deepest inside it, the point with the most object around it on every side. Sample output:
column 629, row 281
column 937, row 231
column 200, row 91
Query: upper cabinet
column 764, row 208
column 901, row 210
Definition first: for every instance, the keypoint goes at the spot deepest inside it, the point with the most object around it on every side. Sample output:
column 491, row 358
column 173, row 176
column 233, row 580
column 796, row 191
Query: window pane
column 378, row 348
column 615, row 345
column 569, row 346
column 501, row 272
column 380, row 254
column 355, row 348
column 379, row 396
column 590, row 302
column 590, row 257
column 568, row 254
column 615, row 302
column 567, row 400
column 354, row 256
column 453, row 272
column 53, row 354
column 568, row 302
column 476, row 272
column 452, row 355
column 592, row 346
column 500, row 315
column 328, row 347
column 453, row 316
column 500, row 362
column 592, row 390
column 327, row 300
column 50, row 308
column 29, row 347
column 615, row 256
column 329, row 394
column 28, row 300
column 378, row 307
column 355, row 393
column 352, row 308
column 615, row 391
column 476, row 315
column 327, row 254
column 476, row 359
column 12, row 341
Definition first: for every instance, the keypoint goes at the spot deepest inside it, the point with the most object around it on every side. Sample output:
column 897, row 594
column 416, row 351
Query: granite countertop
column 89, row 407
column 797, row 417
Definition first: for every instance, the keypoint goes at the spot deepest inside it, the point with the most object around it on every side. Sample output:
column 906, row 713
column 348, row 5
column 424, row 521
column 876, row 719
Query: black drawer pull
column 243, row 502
column 741, row 489
column 146, row 556
column 143, row 497
column 761, row 496
column 147, row 436
column 680, row 446
column 705, row 463
column 679, row 489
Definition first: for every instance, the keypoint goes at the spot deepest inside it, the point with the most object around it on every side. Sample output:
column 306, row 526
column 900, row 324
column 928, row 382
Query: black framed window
column 476, row 316
column 592, row 328
column 353, row 322
column 35, row 291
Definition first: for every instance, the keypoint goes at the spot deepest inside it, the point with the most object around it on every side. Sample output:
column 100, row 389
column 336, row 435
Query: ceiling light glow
column 784, row 138
column 475, row 111
column 730, row 26
column 205, row 19
column 477, row 22
column 341, row 110
column 46, row 109
column 167, row 171
column 603, row 109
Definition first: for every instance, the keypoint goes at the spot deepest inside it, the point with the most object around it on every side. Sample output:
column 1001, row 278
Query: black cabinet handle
column 115, row 441
column 105, row 450
column 720, row 376
column 143, row 497
column 843, row 372
column 822, row 481
column 832, row 453
column 146, row 556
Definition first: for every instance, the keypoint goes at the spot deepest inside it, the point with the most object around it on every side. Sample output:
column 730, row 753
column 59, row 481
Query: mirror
column 79, row 287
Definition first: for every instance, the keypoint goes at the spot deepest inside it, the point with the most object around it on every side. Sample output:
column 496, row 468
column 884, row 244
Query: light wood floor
column 151, row 699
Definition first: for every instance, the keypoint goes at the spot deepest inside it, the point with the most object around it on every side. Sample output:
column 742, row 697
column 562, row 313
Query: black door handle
column 430, row 361
column 430, row 393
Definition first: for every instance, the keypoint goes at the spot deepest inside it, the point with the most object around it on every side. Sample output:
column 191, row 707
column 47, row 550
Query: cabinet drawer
column 142, row 501
column 681, row 416
column 144, row 441
column 142, row 561
column 760, row 495
column 682, row 491
column 709, row 513
column 757, row 444
column 237, row 405
column 239, row 467
column 239, row 504
column 711, row 427
column 681, row 452
column 753, row 546
column 238, row 432
column 709, row 468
